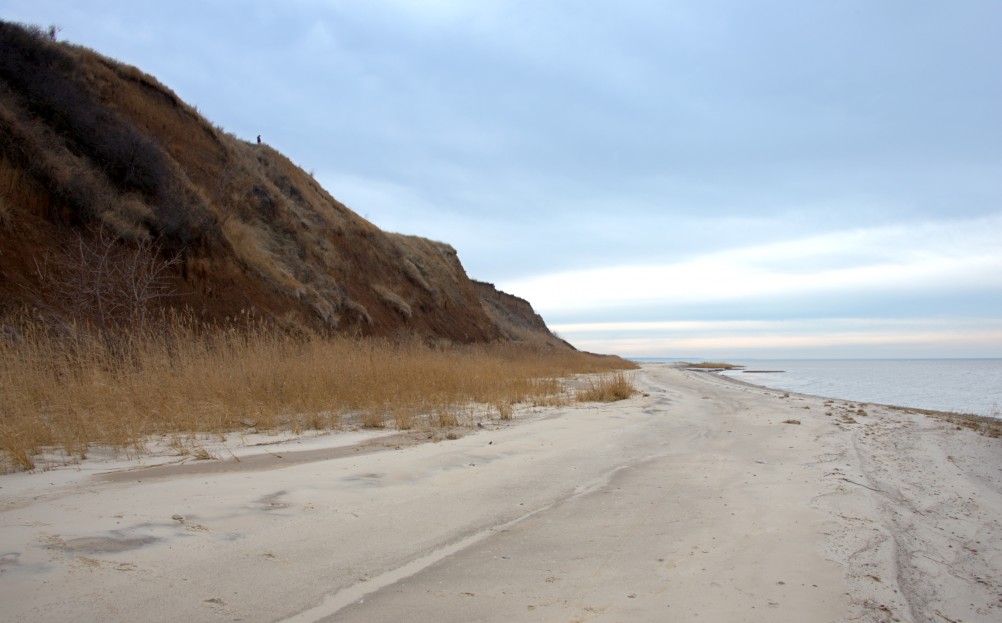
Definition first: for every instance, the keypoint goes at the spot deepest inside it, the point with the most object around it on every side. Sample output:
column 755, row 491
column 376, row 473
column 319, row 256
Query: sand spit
column 695, row 501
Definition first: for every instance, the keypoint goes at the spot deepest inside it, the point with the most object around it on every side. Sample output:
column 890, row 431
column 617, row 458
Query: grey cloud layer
column 547, row 137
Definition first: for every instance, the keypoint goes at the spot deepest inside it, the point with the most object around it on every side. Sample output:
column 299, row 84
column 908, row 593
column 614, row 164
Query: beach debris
column 791, row 421
column 853, row 482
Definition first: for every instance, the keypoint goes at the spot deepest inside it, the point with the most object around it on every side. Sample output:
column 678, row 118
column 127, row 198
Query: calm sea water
column 960, row 385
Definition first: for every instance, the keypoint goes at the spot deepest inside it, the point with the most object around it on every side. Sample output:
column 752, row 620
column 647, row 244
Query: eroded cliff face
column 100, row 164
column 515, row 317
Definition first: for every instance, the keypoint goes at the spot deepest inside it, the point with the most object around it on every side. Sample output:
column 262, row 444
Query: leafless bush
column 103, row 279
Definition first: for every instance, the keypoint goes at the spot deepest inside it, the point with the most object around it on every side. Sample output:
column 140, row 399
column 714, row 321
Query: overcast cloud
column 712, row 178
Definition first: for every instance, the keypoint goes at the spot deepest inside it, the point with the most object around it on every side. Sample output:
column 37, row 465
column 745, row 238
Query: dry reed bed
column 72, row 391
column 608, row 388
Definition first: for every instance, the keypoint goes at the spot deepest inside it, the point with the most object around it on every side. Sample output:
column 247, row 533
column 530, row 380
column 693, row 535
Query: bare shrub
column 104, row 280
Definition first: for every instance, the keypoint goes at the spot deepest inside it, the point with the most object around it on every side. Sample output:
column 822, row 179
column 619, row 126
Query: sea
column 955, row 385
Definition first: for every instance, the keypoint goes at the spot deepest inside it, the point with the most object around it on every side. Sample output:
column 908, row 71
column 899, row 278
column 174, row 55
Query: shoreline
column 983, row 424
column 964, row 386
column 702, row 496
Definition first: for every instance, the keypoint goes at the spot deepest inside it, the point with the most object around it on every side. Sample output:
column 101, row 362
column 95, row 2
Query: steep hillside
column 117, row 198
column 513, row 315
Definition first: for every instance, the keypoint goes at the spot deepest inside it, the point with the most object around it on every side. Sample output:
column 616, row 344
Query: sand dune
column 700, row 500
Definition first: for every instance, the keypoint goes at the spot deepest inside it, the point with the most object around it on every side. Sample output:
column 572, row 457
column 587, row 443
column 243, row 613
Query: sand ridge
column 695, row 500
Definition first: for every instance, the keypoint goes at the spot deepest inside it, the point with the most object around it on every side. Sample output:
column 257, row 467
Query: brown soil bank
column 117, row 199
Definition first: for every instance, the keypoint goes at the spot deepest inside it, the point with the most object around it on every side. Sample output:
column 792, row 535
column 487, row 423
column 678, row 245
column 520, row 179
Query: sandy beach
column 700, row 500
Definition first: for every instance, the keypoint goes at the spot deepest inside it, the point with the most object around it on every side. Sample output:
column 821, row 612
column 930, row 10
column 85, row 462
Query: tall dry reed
column 75, row 388
column 608, row 388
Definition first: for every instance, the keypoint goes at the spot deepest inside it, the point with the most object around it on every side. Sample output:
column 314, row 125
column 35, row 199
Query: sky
column 701, row 179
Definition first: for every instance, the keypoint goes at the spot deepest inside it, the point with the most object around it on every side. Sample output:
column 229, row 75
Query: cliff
column 117, row 199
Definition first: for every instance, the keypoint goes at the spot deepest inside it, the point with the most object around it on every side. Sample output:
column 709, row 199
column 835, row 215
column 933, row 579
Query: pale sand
column 692, row 503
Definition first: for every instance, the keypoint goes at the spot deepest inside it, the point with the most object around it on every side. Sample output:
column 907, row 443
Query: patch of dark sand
column 275, row 460
column 106, row 544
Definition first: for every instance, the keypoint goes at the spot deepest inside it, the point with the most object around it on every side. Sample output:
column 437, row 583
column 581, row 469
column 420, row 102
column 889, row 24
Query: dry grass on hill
column 84, row 388
column 90, row 144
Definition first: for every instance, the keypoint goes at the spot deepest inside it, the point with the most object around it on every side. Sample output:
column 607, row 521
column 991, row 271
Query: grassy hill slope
column 118, row 199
